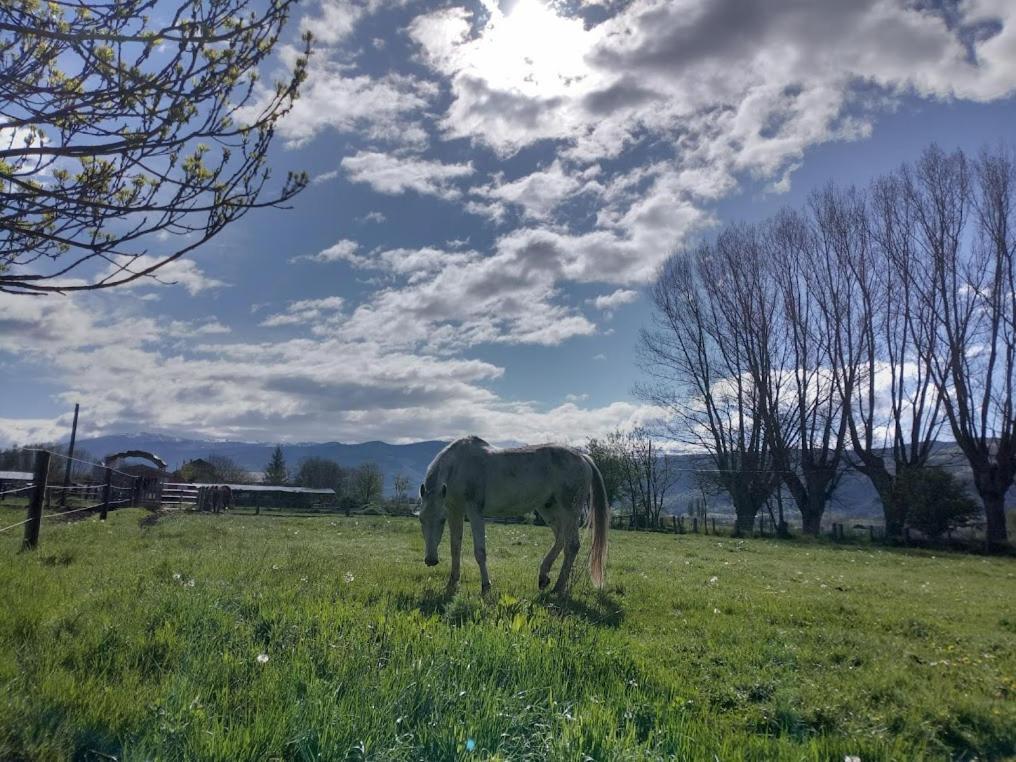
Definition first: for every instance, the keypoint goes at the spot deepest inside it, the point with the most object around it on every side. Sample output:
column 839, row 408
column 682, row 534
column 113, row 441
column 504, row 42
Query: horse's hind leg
column 455, row 537
column 480, row 548
column 569, row 538
column 551, row 556
column 551, row 517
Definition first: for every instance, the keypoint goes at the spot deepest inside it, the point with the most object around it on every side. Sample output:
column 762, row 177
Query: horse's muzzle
column 430, row 561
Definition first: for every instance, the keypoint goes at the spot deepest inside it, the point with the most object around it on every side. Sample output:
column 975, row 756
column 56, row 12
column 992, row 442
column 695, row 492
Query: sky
column 493, row 187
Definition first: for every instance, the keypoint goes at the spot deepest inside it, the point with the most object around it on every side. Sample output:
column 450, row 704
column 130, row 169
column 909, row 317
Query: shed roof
column 261, row 488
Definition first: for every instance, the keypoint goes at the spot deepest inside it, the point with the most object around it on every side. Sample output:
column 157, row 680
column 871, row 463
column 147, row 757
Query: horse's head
column 432, row 519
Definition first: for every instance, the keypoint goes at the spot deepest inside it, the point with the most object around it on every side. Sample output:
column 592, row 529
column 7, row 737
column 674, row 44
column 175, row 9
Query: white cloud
column 614, row 299
column 342, row 250
column 736, row 90
column 186, row 329
column 26, row 431
column 538, row 193
column 324, row 387
column 335, row 21
column 451, row 300
column 391, row 174
column 307, row 311
column 334, row 96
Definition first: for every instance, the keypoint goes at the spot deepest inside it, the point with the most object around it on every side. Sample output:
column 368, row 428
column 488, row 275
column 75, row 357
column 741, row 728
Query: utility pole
column 70, row 462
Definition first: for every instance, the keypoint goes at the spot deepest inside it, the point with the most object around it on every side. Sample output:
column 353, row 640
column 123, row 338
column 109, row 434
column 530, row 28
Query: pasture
column 243, row 637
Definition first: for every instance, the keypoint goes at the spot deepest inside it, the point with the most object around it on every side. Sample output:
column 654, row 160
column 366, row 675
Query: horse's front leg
column 455, row 537
column 480, row 548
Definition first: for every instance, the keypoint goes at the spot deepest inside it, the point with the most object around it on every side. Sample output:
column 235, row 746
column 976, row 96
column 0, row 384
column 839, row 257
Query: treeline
column 636, row 474
column 356, row 488
column 852, row 332
column 22, row 458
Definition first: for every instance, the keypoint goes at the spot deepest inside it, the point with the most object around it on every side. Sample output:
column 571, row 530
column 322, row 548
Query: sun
column 529, row 48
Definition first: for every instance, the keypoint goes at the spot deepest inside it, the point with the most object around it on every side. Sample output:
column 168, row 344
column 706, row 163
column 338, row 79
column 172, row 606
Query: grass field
column 241, row 637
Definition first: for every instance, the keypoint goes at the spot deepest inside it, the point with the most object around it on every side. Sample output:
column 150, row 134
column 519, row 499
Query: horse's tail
column 600, row 522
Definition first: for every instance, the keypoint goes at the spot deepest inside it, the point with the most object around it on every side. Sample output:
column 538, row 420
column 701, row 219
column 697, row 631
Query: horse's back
column 508, row 482
column 524, row 478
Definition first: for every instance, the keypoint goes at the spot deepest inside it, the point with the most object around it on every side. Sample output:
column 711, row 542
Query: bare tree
column 805, row 422
column 618, row 444
column 608, row 461
column 696, row 357
column 642, row 472
column 400, row 482
column 117, row 131
column 654, row 473
column 903, row 421
column 228, row 470
column 967, row 279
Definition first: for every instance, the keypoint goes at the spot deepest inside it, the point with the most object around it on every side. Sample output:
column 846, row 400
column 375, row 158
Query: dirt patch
column 153, row 518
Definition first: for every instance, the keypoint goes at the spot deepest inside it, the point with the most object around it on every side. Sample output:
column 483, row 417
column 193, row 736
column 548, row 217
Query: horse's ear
column 423, row 490
column 444, row 491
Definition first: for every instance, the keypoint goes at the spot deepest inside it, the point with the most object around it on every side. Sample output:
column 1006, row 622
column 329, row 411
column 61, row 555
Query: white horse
column 471, row 478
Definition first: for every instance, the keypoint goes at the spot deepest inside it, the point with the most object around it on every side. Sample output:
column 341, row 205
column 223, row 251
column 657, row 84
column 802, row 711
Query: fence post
column 106, row 488
column 31, row 540
column 673, row 521
column 70, row 458
column 694, row 524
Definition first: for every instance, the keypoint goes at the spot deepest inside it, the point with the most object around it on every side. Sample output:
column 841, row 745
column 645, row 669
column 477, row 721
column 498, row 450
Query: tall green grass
column 240, row 637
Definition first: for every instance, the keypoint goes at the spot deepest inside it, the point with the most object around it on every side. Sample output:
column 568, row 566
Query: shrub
column 936, row 501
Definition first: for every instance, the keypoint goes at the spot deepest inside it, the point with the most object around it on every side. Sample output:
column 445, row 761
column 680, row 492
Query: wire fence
column 107, row 489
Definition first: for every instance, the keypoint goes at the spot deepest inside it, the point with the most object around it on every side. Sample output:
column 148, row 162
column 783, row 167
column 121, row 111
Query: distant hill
column 855, row 498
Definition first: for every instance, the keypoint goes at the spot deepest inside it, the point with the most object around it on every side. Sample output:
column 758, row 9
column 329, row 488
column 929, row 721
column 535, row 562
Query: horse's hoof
column 544, row 581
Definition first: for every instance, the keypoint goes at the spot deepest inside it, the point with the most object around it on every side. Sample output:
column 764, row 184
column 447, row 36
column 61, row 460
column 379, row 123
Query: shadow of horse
column 601, row 609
